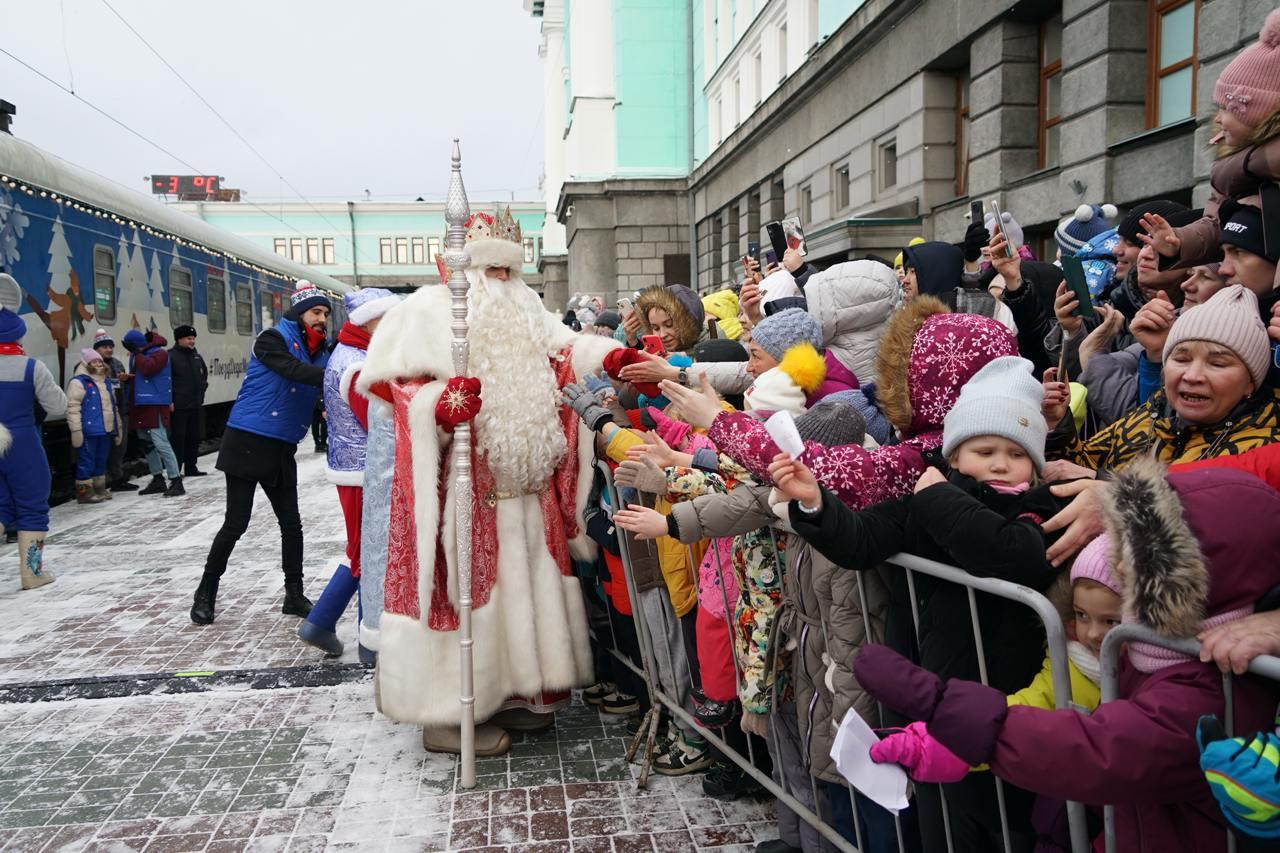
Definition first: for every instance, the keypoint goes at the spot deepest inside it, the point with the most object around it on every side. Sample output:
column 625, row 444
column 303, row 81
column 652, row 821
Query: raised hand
column 794, row 481
column 642, row 521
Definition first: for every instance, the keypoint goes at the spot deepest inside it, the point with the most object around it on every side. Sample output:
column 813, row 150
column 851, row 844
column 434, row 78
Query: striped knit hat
column 1229, row 318
column 1249, row 87
column 1087, row 222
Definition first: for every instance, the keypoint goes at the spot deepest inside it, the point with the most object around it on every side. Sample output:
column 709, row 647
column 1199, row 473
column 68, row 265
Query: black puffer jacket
column 190, row 377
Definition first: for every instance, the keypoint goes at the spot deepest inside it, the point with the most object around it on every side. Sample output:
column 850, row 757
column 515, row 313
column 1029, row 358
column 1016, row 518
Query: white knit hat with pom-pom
column 1087, row 222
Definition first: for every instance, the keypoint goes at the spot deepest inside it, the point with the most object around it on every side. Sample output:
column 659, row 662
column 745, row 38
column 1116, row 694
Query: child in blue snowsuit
column 94, row 424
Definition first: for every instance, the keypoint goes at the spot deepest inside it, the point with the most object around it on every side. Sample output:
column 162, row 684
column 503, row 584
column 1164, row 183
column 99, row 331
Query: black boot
column 155, row 487
column 175, row 488
column 123, row 486
column 295, row 603
column 206, row 595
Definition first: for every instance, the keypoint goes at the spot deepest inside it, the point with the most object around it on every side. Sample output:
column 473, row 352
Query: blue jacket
column 92, row 421
column 154, row 390
column 277, row 401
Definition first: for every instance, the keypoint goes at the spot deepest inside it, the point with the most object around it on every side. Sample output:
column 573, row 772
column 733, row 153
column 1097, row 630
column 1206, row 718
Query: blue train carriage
column 92, row 254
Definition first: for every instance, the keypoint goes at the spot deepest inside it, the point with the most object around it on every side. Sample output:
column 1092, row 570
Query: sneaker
column 155, row 487
column 712, row 713
column 727, row 781
column 175, row 488
column 619, row 703
column 683, row 758
column 123, row 486
column 196, row 472
column 595, row 694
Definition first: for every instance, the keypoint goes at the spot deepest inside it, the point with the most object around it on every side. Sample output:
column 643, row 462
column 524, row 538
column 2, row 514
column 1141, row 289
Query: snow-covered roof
column 25, row 162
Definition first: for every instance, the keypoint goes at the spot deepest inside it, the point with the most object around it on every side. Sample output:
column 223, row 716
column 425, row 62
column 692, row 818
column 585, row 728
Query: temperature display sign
column 184, row 184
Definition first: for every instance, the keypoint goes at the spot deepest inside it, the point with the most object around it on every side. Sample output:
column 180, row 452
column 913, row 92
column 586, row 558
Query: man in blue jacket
column 271, row 415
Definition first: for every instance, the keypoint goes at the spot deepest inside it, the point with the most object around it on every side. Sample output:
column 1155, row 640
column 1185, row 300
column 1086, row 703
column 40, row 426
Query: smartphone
column 624, row 305
column 753, row 251
column 653, row 345
column 1073, row 271
column 1009, row 249
column 770, row 260
column 975, row 211
column 777, row 238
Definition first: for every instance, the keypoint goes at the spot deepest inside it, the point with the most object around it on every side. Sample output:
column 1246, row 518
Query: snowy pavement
column 289, row 768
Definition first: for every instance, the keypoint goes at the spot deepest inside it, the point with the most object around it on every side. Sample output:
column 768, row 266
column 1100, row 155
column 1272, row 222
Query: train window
column 104, row 284
column 179, row 296
column 326, row 243
column 244, row 309
column 313, row 250
column 217, row 303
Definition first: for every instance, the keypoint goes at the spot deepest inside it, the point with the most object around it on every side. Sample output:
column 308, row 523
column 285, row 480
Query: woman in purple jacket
column 1193, row 550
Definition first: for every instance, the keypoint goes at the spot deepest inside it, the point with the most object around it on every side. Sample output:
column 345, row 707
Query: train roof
column 25, row 162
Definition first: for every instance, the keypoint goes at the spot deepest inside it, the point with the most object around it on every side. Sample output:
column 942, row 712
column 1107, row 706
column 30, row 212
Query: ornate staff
column 456, row 211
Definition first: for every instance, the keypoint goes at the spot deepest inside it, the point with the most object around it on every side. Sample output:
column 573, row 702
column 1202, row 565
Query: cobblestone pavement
column 293, row 768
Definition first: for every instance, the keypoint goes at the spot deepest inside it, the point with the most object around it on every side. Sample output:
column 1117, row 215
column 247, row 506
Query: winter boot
column 319, row 629
column 31, row 559
column 123, row 486
column 100, row 486
column 491, row 740
column 295, row 603
column 175, row 488
column 155, row 487
column 85, row 493
column 205, row 598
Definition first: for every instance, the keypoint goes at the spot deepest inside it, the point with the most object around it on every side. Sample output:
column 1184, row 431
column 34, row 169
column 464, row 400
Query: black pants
column 284, row 501
column 319, row 428
column 184, row 426
column 115, row 459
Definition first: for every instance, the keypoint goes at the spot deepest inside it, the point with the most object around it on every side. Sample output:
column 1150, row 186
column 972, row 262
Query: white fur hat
column 490, row 252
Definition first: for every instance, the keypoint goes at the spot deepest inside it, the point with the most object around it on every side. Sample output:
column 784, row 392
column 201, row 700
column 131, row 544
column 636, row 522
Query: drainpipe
column 355, row 269
column 693, row 225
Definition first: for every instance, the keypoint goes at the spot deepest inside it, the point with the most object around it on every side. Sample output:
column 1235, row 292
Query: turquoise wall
column 651, row 39
column 701, row 130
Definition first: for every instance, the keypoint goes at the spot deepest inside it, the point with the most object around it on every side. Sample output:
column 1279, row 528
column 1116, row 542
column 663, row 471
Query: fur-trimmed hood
column 1191, row 545
column 681, row 304
column 926, row 355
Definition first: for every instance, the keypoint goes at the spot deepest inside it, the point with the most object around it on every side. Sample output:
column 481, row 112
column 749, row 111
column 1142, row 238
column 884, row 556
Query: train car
column 90, row 254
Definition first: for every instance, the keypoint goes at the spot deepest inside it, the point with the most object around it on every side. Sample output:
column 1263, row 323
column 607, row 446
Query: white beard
column 518, row 429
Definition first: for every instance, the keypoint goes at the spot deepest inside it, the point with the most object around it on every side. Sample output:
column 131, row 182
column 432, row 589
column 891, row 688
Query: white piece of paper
column 782, row 429
column 885, row 784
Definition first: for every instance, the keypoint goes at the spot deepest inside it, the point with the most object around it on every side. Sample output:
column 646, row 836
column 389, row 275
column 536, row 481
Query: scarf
column 354, row 336
column 1146, row 657
column 1083, row 659
column 12, row 348
column 315, row 339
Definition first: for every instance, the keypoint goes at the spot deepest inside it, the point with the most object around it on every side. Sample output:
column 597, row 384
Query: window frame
column 99, row 249
column 248, row 306
column 782, row 52
column 417, row 250
column 402, row 251
column 313, row 250
column 1045, row 121
column 280, row 245
column 842, row 188
column 804, row 202
column 189, row 290
column 221, row 280
column 1156, row 10
column 296, row 250
column 327, row 252
column 529, row 246
column 386, row 251
column 882, row 146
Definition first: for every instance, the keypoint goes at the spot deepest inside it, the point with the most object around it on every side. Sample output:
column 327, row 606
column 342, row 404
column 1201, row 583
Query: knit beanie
column 1087, row 222
column 832, row 422
column 1094, row 563
column 1242, row 227
column 1230, row 318
column 780, row 332
column 1003, row 398
column 88, row 354
column 1249, row 87
column 719, row 349
column 1177, row 214
column 184, row 331
column 101, row 338
column 306, row 297
column 1008, row 226
column 368, row 304
column 609, row 319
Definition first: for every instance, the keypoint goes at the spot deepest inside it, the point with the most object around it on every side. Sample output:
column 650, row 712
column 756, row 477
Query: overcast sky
column 338, row 96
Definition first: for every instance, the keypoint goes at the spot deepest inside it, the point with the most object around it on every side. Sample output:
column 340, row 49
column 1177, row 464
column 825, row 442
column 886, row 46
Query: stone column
column 1004, row 63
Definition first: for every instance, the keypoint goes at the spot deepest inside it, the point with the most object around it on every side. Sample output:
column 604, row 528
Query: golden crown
column 505, row 227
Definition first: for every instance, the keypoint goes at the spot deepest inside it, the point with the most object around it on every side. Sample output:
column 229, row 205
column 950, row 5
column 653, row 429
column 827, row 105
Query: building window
column 104, row 284
column 1051, row 92
column 434, row 248
column 244, row 309
column 888, row 164
column 385, row 255
column 530, row 252
column 735, row 233
column 313, row 250
column 281, row 246
column 217, row 303
column 782, row 53
column 717, row 127
column 326, row 246
column 1172, row 60
column 717, row 246
column 179, row 296
column 402, row 250
column 841, row 186
column 295, row 249
column 418, row 251
column 737, row 101
column 806, row 207
column 757, row 78
column 962, row 134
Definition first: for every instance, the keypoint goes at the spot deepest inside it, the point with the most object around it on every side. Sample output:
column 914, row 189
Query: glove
column 920, row 754
column 975, row 238
column 588, row 406
column 77, row 438
column 966, row 717
column 643, row 474
column 459, row 403
column 600, row 386
column 617, row 359
column 1242, row 773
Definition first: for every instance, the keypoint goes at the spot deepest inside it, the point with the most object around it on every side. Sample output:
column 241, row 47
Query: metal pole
column 456, row 212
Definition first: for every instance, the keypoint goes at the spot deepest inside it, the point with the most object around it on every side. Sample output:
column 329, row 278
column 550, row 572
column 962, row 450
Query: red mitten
column 459, row 403
column 617, row 359
column 920, row 754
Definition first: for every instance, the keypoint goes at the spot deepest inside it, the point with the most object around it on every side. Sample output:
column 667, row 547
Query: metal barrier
column 1265, row 666
column 663, row 696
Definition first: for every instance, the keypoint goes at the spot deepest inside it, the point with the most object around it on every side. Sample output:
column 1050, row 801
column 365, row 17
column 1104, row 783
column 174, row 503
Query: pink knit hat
column 1094, row 563
column 1249, row 87
column 1230, row 318
column 88, row 355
